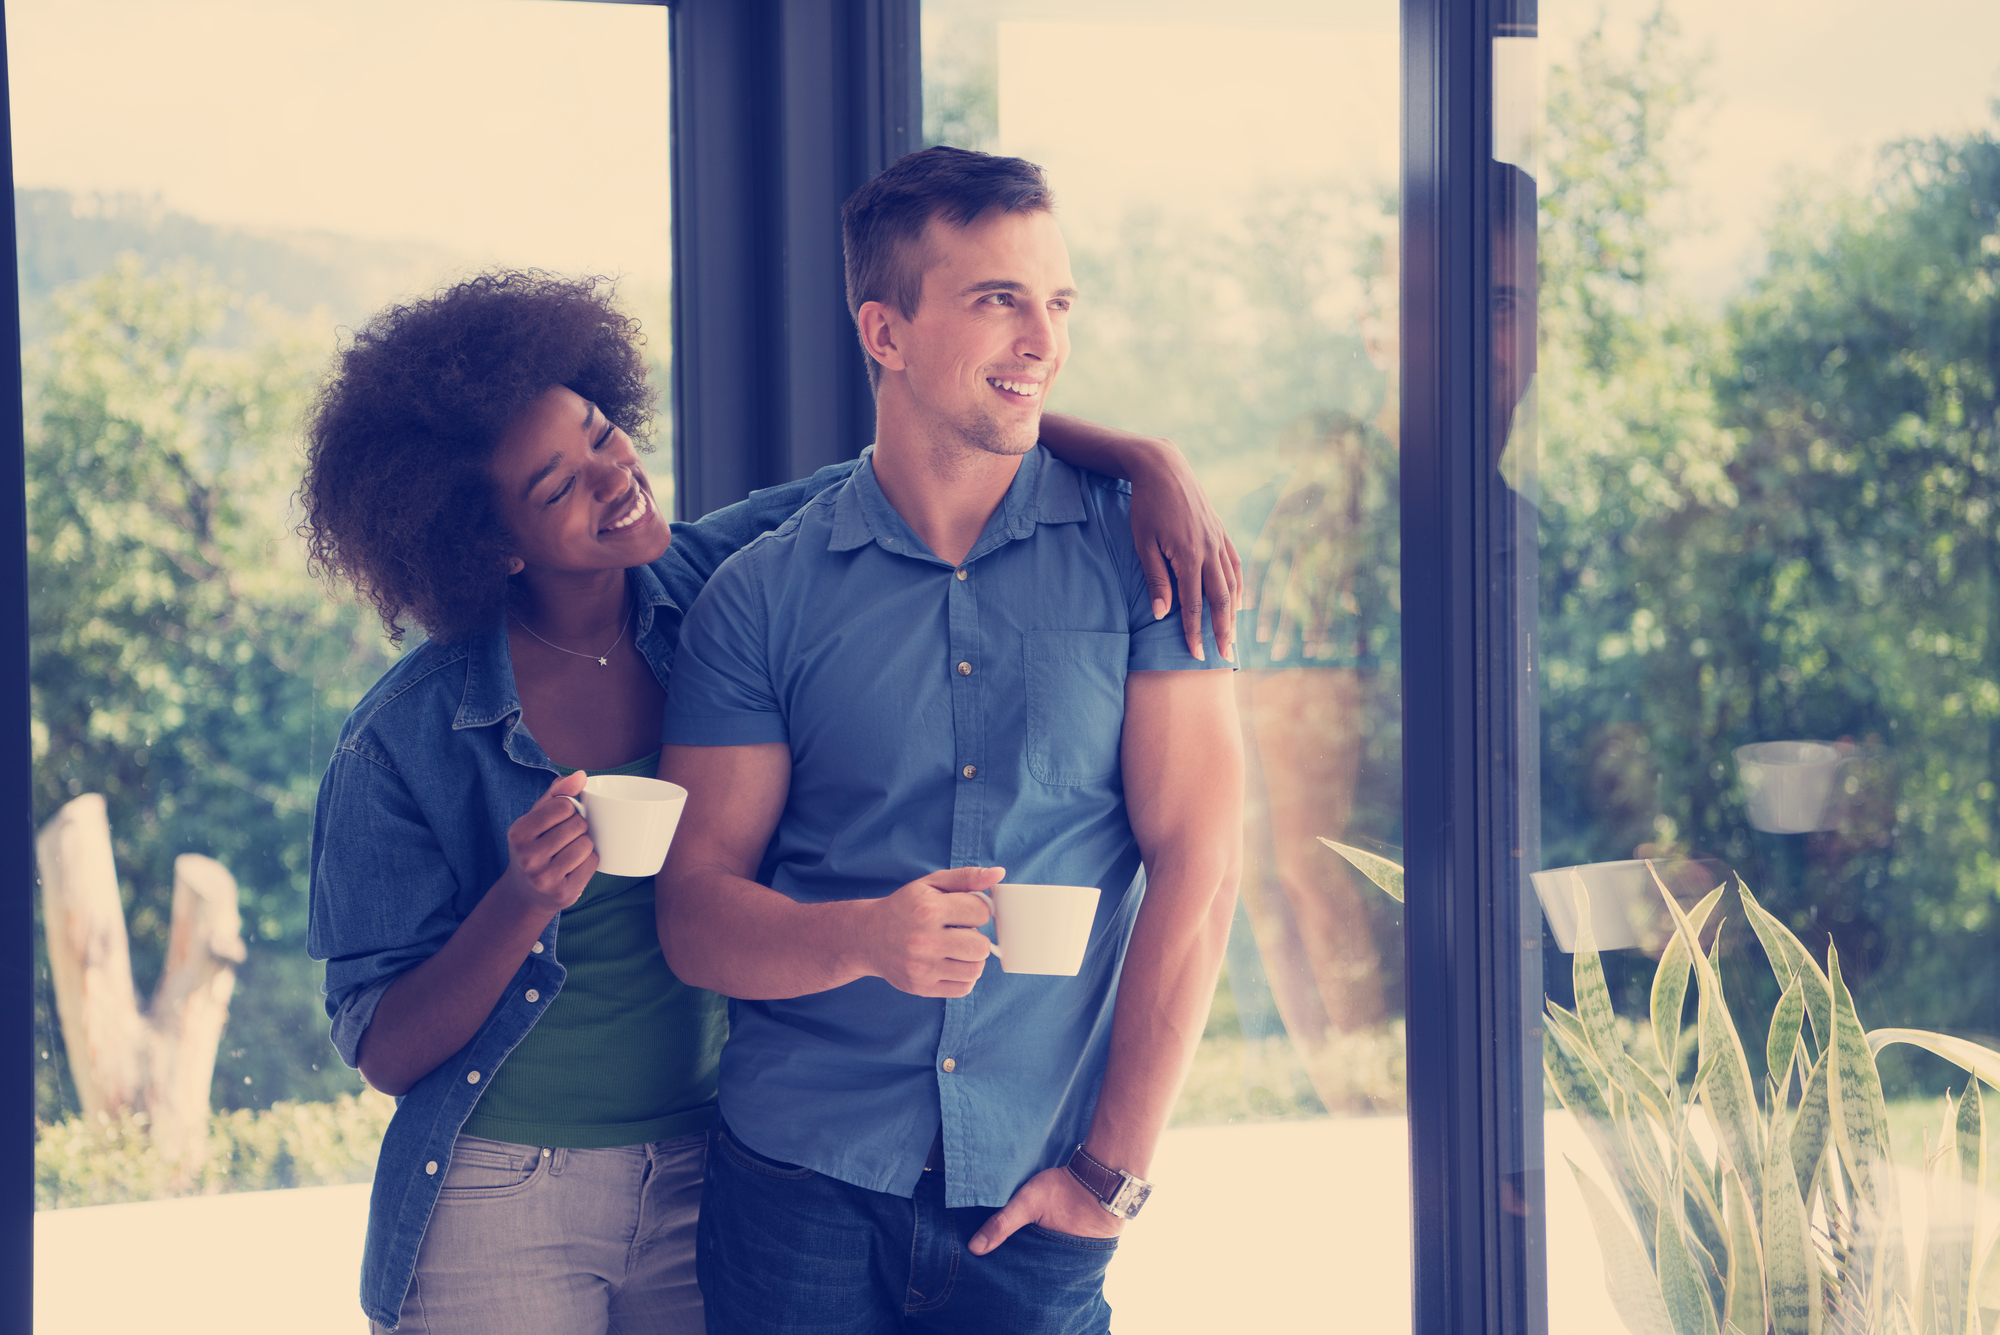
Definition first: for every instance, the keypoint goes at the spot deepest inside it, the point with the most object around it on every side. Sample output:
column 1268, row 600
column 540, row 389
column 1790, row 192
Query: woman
column 473, row 467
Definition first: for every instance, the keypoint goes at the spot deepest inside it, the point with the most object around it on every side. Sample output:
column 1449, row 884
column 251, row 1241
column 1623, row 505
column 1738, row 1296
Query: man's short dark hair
column 882, row 224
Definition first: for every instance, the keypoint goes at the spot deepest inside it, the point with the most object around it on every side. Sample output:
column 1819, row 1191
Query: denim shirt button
column 472, row 1077
column 431, row 1167
column 537, row 947
column 533, row 995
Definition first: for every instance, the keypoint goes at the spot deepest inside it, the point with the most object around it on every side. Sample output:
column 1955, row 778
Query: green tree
column 1779, row 523
column 182, row 662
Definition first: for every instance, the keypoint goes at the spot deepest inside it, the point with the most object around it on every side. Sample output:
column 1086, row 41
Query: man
column 951, row 661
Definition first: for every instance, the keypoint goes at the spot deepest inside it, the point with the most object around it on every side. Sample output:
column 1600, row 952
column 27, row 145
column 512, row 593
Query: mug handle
column 578, row 804
column 991, row 908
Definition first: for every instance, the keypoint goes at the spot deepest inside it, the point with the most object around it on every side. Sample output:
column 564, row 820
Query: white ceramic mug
column 1045, row 927
column 632, row 820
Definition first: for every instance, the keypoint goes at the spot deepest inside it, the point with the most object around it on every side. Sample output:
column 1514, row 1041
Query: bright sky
column 1807, row 88
column 535, row 131
column 1192, row 119
column 1186, row 117
column 522, row 131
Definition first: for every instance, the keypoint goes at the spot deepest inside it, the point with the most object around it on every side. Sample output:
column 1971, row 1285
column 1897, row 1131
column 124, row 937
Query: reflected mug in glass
column 1045, row 927
column 632, row 821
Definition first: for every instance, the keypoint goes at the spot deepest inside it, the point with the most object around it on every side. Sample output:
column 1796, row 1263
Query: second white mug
column 1043, row 928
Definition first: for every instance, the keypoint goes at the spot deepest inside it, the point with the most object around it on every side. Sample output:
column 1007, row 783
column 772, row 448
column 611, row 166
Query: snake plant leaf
column 1670, row 981
column 1812, row 1127
column 1586, row 1101
column 1786, row 1021
column 1707, row 1231
column 1789, row 960
column 1570, row 1029
column 1728, row 1091
column 1387, row 874
column 1593, row 997
column 1945, row 1280
column 1861, row 1130
column 1746, row 1258
column 1791, row 1270
column 1986, row 1287
column 1689, row 1305
column 1972, row 1136
column 1628, row 1271
column 1639, row 1081
column 1983, row 1062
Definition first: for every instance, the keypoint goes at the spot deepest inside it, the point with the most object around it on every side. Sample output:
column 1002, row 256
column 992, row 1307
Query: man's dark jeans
column 783, row 1248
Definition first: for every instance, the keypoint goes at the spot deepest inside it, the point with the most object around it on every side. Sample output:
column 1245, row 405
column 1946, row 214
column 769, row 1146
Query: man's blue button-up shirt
column 938, row 716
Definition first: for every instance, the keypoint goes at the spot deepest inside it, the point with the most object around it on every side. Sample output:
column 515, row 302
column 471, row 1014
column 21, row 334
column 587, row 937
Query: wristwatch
column 1116, row 1190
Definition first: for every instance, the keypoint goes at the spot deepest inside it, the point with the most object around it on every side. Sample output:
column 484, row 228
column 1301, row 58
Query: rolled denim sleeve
column 383, row 898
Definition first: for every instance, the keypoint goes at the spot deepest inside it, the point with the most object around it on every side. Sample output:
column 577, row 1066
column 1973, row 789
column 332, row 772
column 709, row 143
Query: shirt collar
column 1045, row 490
column 490, row 694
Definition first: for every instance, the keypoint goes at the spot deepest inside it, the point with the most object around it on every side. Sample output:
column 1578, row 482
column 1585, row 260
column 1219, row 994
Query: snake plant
column 1783, row 1219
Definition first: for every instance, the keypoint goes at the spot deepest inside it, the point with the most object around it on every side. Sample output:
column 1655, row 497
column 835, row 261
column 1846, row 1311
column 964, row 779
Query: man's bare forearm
column 1164, row 995
column 745, row 940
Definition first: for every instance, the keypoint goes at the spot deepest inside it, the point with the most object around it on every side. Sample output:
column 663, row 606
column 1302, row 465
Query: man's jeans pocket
column 742, row 1156
column 1074, row 1240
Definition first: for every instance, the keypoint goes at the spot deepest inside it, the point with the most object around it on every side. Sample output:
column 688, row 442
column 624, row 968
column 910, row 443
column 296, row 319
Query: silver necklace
column 603, row 659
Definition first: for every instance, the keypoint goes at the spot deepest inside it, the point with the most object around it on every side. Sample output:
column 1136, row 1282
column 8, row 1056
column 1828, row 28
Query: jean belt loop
column 557, row 1157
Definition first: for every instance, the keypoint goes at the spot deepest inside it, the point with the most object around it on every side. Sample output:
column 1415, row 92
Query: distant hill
column 63, row 237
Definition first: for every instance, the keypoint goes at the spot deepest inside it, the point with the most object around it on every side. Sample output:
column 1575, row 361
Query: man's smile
column 1026, row 389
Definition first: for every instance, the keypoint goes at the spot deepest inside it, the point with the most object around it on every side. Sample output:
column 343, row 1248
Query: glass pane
column 1761, row 447
column 1226, row 182
column 209, row 193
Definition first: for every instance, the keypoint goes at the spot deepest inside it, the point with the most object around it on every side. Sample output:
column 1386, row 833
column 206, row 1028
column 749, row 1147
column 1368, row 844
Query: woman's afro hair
column 398, row 495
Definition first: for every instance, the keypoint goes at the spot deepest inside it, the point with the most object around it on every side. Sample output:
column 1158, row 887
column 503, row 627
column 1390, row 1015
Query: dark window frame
column 781, row 107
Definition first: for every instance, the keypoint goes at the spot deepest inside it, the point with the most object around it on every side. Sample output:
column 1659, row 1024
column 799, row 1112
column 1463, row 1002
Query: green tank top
column 626, row 1053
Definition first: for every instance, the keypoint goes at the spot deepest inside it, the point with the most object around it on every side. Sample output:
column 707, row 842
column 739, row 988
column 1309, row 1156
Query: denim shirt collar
column 490, row 696
column 1045, row 490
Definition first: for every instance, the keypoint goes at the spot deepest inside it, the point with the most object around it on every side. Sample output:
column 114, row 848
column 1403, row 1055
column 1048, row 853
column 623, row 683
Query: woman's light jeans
column 531, row 1241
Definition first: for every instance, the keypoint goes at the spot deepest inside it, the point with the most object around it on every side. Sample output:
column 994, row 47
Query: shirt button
column 970, row 771
column 537, row 947
column 965, row 669
column 960, row 572
column 472, row 1077
column 431, row 1168
column 533, row 995
column 949, row 1066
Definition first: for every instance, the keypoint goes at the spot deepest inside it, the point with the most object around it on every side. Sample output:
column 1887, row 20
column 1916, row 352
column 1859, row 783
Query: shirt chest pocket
column 1076, row 704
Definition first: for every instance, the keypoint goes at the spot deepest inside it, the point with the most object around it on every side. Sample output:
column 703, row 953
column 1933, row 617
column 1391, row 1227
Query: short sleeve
column 1157, row 644
column 382, row 899
column 722, row 692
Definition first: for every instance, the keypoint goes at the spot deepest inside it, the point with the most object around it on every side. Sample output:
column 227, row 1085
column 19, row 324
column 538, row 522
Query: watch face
column 1132, row 1194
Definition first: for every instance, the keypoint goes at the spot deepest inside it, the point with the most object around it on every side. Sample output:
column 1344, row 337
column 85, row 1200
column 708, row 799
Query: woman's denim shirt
column 411, row 829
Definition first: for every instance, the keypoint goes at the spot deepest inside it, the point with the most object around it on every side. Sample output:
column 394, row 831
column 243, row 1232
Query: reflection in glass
column 1767, row 648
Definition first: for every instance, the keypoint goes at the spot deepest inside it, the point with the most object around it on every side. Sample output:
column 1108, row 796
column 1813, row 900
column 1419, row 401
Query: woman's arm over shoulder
column 1179, row 537
column 706, row 543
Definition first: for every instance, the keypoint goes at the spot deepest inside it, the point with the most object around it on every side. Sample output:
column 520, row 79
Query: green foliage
column 78, row 1162
column 182, row 662
column 1778, row 522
